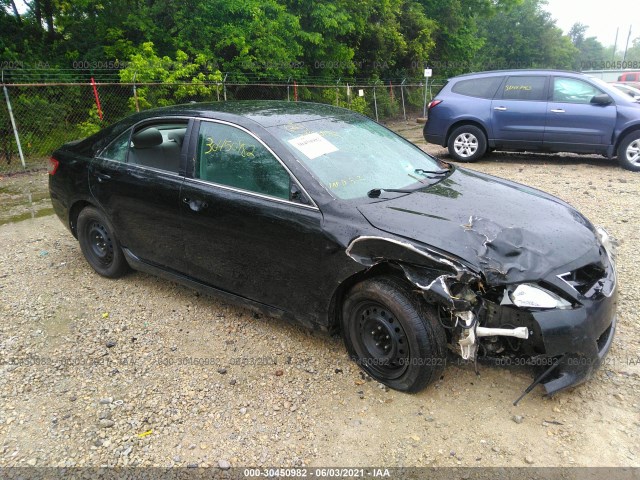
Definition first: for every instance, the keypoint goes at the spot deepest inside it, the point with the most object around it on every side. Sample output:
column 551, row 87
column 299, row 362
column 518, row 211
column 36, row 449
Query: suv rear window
column 525, row 88
column 478, row 87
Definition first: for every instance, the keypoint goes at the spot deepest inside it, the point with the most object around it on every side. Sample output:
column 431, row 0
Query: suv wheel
column 467, row 143
column 629, row 152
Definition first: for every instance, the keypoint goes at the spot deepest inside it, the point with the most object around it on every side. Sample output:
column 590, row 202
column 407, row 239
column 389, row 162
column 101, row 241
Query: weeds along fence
column 37, row 118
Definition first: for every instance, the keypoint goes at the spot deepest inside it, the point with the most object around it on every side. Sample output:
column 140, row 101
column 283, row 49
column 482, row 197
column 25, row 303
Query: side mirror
column 602, row 99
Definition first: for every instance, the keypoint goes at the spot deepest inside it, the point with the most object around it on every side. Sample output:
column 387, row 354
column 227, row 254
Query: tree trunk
column 37, row 11
column 15, row 11
column 47, row 7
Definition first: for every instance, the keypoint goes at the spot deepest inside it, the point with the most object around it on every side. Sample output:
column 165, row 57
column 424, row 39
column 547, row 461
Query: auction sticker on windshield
column 313, row 145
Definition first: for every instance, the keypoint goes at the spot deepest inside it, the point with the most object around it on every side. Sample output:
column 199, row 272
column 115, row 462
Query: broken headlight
column 609, row 244
column 528, row 295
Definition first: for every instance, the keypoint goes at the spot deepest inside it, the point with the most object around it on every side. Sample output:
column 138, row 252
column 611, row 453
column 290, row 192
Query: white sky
column 602, row 17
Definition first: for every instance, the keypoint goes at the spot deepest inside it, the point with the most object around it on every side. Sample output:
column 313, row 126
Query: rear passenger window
column 117, row 150
column 158, row 146
column 230, row 156
column 525, row 88
column 478, row 87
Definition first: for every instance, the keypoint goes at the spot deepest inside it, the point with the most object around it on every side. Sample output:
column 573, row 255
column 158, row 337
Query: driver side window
column 229, row 156
column 572, row 90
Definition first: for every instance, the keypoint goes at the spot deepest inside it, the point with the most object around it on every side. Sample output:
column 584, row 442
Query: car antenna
column 539, row 379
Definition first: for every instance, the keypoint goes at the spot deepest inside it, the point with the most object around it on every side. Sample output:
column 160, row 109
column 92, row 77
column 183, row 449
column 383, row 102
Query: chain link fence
column 46, row 115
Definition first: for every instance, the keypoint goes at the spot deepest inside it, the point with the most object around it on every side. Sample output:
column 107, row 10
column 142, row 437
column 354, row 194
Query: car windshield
column 608, row 88
column 352, row 155
column 632, row 92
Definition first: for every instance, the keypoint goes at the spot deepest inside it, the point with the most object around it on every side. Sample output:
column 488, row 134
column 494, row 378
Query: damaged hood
column 509, row 232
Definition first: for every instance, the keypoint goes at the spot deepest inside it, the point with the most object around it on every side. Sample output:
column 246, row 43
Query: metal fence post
column 288, row 84
column 224, row 86
column 13, row 124
column 424, row 110
column 375, row 101
column 135, row 92
column 404, row 111
column 337, row 93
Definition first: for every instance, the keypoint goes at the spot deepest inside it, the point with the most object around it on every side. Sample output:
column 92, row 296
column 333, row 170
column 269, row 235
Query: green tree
column 458, row 38
column 633, row 53
column 590, row 51
column 525, row 37
column 182, row 78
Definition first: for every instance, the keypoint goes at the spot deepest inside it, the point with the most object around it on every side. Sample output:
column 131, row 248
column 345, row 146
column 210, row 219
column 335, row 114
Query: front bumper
column 575, row 369
column 579, row 338
column 582, row 337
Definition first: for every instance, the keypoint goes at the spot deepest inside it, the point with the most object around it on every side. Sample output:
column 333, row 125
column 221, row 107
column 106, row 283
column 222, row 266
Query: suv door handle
column 501, row 109
column 557, row 110
column 103, row 177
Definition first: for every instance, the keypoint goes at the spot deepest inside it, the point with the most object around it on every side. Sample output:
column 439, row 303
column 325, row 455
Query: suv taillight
column 433, row 103
column 53, row 166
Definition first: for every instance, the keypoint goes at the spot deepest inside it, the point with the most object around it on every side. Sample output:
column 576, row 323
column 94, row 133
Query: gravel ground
column 141, row 371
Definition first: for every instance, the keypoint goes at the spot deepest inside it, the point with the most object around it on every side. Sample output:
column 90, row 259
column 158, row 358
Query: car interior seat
column 152, row 148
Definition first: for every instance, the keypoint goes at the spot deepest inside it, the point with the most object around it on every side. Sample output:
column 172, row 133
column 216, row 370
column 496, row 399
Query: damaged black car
column 319, row 215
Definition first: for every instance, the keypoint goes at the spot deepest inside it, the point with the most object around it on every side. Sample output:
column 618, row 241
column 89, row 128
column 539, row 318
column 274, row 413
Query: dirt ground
column 140, row 371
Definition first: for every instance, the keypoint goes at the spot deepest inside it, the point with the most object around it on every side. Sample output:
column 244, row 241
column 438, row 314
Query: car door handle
column 557, row 110
column 501, row 109
column 195, row 205
column 103, row 177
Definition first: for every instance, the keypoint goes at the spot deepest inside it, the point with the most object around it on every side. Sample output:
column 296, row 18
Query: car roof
column 267, row 113
column 490, row 73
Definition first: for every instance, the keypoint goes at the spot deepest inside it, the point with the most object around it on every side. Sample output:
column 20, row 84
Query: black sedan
column 317, row 214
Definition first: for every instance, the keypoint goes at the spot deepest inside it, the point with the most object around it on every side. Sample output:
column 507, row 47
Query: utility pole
column 627, row 45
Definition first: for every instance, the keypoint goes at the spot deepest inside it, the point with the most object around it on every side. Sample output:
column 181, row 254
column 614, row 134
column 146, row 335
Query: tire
column 392, row 335
column 99, row 244
column 467, row 143
column 629, row 152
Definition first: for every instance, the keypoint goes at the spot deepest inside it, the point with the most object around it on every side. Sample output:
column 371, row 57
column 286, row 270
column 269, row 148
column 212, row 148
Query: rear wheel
column 629, row 152
column 467, row 143
column 99, row 244
column 393, row 335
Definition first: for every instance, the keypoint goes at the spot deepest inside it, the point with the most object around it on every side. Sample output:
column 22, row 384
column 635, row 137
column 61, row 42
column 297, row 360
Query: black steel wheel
column 393, row 335
column 99, row 244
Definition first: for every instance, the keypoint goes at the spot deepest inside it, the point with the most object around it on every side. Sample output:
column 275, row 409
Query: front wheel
column 99, row 244
column 467, row 143
column 392, row 335
column 629, row 152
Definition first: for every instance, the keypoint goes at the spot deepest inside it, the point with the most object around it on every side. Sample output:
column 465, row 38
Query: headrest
column 177, row 136
column 151, row 137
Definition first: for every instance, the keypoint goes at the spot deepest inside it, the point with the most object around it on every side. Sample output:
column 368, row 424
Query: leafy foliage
column 525, row 36
column 167, row 41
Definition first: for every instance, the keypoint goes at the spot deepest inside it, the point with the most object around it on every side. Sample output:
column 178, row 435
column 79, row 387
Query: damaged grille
column 583, row 279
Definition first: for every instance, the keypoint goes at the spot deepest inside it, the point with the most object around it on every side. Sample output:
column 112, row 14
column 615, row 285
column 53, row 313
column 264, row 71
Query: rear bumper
column 58, row 202
column 435, row 139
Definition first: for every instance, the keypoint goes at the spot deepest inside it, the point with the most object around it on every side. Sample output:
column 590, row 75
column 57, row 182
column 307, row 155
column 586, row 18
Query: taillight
column 434, row 103
column 53, row 166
